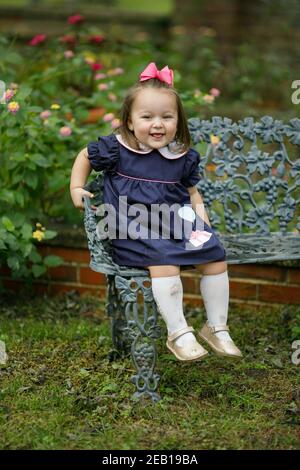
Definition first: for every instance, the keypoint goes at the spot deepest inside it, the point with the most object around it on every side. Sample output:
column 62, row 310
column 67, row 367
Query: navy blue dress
column 172, row 234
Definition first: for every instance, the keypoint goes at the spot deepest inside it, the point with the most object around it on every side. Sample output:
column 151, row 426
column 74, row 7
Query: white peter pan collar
column 164, row 151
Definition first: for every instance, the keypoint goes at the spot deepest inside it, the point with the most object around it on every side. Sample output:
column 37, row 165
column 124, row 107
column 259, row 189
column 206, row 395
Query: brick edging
column 251, row 284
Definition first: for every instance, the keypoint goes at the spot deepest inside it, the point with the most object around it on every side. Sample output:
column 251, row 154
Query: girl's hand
column 77, row 195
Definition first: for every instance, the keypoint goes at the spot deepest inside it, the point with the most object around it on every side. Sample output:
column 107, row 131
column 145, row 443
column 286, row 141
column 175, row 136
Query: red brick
column 57, row 288
column 279, row 293
column 96, row 291
column 70, row 254
column 242, row 290
column 255, row 271
column 293, row 276
column 43, row 250
column 5, row 271
column 12, row 284
column 190, row 285
column 193, row 301
column 87, row 276
column 63, row 273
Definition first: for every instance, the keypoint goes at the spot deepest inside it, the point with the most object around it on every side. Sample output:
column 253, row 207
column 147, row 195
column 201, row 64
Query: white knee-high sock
column 215, row 294
column 168, row 295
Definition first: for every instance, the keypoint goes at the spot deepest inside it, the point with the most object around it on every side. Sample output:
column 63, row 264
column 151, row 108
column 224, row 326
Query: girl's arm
column 79, row 175
column 198, row 204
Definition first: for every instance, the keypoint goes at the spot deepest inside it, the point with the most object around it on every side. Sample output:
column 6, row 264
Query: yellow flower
column 38, row 235
column 55, row 106
column 13, row 107
column 208, row 98
column 38, row 225
column 214, row 139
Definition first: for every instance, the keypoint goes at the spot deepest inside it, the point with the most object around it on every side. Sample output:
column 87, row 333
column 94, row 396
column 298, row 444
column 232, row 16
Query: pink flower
column 99, row 76
column 208, row 98
column 65, row 131
column 8, row 94
column 13, row 107
column 215, row 92
column 45, row 114
column 96, row 39
column 115, row 123
column 37, row 39
column 96, row 66
column 102, row 86
column 69, row 54
column 76, row 19
column 68, row 39
column 108, row 117
column 112, row 97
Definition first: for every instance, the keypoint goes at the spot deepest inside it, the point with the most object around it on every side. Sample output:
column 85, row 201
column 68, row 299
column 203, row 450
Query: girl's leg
column 214, row 287
column 168, row 294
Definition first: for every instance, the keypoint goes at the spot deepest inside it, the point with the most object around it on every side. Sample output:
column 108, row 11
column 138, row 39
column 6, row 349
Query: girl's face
column 154, row 117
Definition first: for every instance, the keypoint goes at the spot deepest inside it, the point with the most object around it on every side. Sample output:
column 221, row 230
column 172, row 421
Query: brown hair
column 182, row 134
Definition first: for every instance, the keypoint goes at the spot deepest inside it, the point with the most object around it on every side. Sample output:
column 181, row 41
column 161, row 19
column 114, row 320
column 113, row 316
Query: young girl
column 149, row 162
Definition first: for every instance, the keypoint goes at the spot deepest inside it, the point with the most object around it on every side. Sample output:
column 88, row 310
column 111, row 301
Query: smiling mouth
column 157, row 135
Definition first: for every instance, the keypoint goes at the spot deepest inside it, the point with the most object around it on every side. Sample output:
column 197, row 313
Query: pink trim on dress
column 164, row 151
column 144, row 179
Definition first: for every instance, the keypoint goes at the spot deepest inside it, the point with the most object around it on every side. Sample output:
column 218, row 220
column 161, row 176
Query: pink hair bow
column 164, row 75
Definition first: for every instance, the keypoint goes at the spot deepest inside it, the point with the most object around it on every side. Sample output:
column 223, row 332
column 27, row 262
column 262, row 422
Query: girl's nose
column 157, row 122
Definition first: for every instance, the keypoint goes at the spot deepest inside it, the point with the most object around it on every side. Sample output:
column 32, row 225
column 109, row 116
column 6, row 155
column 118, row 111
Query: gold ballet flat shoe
column 191, row 352
column 220, row 347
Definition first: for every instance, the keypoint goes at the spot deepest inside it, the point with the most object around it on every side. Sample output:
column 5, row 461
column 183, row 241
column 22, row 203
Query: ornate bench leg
column 142, row 330
column 115, row 311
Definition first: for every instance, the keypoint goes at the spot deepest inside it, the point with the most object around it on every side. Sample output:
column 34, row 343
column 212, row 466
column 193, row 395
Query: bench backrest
column 250, row 186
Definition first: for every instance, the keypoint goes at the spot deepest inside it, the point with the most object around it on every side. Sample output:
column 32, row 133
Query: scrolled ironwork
column 250, row 180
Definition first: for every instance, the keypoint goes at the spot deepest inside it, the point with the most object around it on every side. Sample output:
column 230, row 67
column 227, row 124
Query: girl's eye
column 146, row 117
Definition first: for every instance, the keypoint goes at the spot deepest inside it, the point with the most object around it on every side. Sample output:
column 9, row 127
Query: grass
column 155, row 6
column 59, row 391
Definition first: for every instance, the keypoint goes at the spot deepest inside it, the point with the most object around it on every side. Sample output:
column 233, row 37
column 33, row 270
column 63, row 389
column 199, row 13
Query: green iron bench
column 250, row 186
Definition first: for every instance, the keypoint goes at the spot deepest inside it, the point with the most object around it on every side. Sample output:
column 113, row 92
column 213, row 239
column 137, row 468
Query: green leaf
column 18, row 219
column 52, row 261
column 23, row 92
column 12, row 132
column 13, row 263
column 19, row 199
column 38, row 269
column 25, row 248
column 81, row 114
column 8, row 224
column 35, row 109
column 34, row 256
column 31, row 179
column 57, row 183
column 40, row 160
column 7, row 196
column 26, row 231
column 49, row 234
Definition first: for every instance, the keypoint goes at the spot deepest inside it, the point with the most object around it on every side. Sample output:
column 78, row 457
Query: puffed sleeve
column 191, row 174
column 103, row 154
